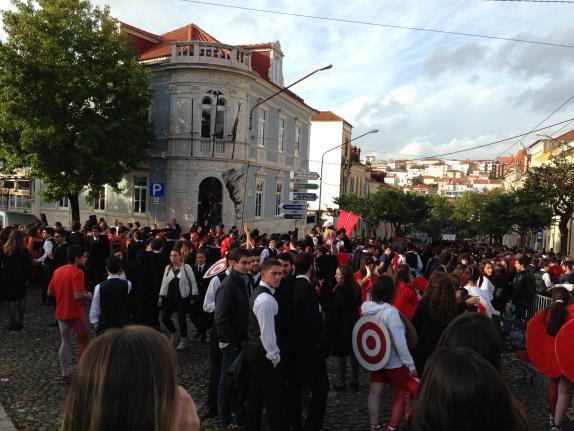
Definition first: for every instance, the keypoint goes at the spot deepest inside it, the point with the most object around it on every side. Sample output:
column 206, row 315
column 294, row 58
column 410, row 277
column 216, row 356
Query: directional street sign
column 284, row 211
column 293, row 207
column 306, row 186
column 304, row 175
column 293, row 216
column 303, row 196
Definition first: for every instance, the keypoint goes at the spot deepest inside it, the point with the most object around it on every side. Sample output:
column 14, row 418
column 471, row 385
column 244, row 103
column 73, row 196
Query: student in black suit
column 196, row 314
column 306, row 357
column 99, row 251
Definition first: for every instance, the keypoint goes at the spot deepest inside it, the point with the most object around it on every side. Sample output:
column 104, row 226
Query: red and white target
column 371, row 343
column 483, row 307
column 216, row 268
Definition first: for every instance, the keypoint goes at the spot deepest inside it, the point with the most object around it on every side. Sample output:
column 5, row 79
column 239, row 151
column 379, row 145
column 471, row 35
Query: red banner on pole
column 347, row 220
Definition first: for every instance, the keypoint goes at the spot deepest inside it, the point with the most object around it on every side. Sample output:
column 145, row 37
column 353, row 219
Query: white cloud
column 425, row 92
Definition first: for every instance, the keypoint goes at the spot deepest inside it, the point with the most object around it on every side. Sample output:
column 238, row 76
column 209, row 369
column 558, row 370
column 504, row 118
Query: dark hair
column 76, row 226
column 403, row 273
column 49, row 230
column 455, row 279
column 383, row 289
column 235, row 254
column 477, row 332
column 94, row 227
column 440, row 297
column 73, row 252
column 347, row 273
column 114, row 264
column 287, row 257
column 123, row 373
column 268, row 263
column 303, row 263
column 156, row 244
column 366, row 260
column 445, row 257
column 454, row 383
column 523, row 260
column 470, row 273
column 555, row 315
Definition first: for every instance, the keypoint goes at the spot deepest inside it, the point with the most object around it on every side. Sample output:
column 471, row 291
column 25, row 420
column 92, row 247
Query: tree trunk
column 563, row 227
column 75, row 206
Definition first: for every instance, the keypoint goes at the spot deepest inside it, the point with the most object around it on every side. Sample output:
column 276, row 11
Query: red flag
column 347, row 220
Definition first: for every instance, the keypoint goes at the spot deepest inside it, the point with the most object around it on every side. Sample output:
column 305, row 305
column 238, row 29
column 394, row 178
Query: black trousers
column 267, row 386
column 196, row 315
column 314, row 375
column 180, row 306
column 214, row 371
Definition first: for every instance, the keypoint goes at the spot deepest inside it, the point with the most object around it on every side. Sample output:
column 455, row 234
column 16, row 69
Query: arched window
column 220, row 119
column 206, row 118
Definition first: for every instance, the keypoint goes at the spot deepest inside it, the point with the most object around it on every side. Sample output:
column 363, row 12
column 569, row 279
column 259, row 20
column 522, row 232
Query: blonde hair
column 126, row 380
column 15, row 242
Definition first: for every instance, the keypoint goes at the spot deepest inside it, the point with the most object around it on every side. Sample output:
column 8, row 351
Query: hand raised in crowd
column 473, row 300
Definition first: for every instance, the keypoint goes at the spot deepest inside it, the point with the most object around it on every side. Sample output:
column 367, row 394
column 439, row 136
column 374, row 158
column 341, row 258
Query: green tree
column 468, row 213
column 73, row 98
column 417, row 181
column 363, row 207
column 552, row 185
column 528, row 213
column 439, row 219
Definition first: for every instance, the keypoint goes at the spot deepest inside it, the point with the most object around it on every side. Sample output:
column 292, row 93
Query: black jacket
column 232, row 310
column 202, row 284
column 524, row 286
column 306, row 333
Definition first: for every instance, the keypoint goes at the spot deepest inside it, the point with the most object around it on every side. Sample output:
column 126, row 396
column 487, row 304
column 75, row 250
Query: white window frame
column 282, row 134
column 141, row 192
column 259, row 197
column 278, row 197
column 298, row 134
column 262, row 127
column 100, row 203
column 64, row 203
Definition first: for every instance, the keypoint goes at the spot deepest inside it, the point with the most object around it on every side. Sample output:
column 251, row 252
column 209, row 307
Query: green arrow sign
column 306, row 186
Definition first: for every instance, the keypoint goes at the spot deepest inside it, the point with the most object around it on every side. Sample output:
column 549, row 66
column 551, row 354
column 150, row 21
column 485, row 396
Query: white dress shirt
column 95, row 310
column 265, row 309
column 209, row 301
column 48, row 247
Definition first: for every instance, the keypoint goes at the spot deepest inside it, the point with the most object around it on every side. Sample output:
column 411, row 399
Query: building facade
column 216, row 156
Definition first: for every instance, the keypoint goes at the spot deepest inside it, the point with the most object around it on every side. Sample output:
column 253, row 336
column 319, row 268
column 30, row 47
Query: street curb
column 5, row 422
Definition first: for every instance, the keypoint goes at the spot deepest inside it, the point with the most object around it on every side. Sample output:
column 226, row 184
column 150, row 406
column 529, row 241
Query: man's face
column 518, row 266
column 95, row 233
column 58, row 238
column 81, row 261
column 388, row 251
column 272, row 244
column 255, row 265
column 200, row 259
column 242, row 266
column 285, row 268
column 272, row 276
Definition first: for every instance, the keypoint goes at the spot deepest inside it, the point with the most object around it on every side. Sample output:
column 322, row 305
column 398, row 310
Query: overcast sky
column 427, row 93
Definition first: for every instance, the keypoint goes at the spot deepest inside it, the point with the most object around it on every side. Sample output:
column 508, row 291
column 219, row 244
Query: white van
column 10, row 218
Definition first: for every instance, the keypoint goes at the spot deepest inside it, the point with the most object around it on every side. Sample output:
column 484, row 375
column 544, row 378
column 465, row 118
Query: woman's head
column 471, row 274
column 441, row 298
column 487, row 268
column 126, row 379
column 477, row 332
column 403, row 274
column 15, row 242
column 367, row 262
column 175, row 257
column 344, row 275
column 558, row 310
column 383, row 289
column 458, row 387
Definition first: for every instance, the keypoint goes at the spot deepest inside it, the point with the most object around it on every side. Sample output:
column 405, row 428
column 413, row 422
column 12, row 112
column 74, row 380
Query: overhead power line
column 493, row 143
column 542, row 122
column 534, row 1
column 376, row 24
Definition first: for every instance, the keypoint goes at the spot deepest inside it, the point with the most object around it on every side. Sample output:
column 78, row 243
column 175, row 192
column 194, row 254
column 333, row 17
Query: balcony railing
column 205, row 146
column 212, row 53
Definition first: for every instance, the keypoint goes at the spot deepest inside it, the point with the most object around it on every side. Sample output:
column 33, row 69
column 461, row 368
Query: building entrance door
column 210, row 201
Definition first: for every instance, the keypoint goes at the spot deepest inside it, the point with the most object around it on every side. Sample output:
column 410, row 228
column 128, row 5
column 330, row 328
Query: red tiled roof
column 505, row 159
column 129, row 27
column 264, row 45
column 566, row 137
column 328, row 116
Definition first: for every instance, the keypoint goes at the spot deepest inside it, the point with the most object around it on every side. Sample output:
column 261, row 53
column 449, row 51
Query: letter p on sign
column 157, row 190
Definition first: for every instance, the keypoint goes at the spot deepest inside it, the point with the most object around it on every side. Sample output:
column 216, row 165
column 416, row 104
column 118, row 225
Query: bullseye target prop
column 216, row 268
column 483, row 307
column 565, row 349
column 541, row 347
column 371, row 343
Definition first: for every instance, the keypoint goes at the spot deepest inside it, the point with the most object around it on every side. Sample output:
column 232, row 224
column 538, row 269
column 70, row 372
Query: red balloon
column 565, row 349
column 540, row 346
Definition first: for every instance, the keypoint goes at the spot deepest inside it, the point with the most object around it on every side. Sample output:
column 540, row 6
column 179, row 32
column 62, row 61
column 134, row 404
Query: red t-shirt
column 406, row 300
column 367, row 287
column 65, row 281
column 343, row 258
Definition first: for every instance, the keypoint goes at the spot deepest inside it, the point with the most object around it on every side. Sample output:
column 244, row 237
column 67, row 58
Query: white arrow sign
column 304, row 175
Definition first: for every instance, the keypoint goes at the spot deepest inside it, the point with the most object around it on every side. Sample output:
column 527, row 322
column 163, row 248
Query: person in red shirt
column 342, row 256
column 68, row 288
column 366, row 276
column 406, row 299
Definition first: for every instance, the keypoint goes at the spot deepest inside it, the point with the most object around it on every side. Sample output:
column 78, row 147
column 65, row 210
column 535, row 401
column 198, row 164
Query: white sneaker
column 183, row 344
column 173, row 339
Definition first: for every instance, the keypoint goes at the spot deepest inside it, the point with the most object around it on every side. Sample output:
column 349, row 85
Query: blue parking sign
column 157, row 190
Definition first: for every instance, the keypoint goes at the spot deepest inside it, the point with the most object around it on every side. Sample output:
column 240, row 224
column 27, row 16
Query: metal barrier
column 540, row 303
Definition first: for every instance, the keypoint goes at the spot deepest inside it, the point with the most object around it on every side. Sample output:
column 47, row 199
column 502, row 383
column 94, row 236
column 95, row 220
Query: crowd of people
column 273, row 314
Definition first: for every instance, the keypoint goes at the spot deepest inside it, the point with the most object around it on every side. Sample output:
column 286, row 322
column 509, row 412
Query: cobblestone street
column 33, row 398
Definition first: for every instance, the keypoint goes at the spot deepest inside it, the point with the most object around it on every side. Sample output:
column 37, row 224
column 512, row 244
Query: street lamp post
column 322, row 162
column 281, row 91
